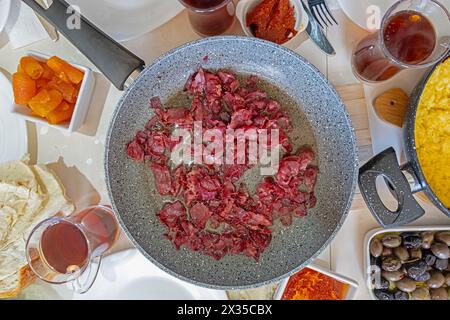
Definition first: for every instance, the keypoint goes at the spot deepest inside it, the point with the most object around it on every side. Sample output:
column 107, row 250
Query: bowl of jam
column 316, row 283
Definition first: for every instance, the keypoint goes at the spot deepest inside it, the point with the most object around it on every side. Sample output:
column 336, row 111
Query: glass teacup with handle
column 414, row 34
column 69, row 249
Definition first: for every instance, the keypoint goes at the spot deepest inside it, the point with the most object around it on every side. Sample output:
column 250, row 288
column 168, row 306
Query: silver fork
column 320, row 9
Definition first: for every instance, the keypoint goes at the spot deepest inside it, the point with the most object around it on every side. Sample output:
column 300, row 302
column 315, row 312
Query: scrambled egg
column 432, row 132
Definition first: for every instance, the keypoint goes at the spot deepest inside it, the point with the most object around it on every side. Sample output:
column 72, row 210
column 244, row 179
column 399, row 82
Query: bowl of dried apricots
column 52, row 91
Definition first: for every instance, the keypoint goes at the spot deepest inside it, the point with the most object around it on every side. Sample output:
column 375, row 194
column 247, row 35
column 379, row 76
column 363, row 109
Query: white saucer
column 5, row 7
column 124, row 20
column 13, row 130
column 362, row 10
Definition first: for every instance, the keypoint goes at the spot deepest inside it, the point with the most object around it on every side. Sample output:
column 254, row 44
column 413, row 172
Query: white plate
column 124, row 20
column 128, row 275
column 362, row 12
column 13, row 130
column 5, row 7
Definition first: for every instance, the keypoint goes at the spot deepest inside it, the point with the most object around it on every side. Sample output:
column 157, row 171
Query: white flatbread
column 28, row 195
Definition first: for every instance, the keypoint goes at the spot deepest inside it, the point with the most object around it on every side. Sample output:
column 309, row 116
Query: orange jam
column 309, row 284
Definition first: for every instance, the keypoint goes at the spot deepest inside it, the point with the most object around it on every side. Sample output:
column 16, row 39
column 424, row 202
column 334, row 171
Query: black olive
column 411, row 240
column 429, row 257
column 383, row 294
column 410, row 234
column 441, row 264
column 400, row 295
column 416, row 269
column 422, row 278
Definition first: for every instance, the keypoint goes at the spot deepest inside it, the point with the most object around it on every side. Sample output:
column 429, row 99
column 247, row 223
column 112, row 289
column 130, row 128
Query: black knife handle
column 115, row 61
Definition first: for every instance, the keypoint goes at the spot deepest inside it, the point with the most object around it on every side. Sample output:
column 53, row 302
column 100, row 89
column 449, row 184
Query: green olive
column 376, row 248
column 401, row 253
column 415, row 253
column 427, row 239
column 443, row 237
column 439, row 294
column 436, row 280
column 440, row 250
column 421, row 293
column 393, row 276
column 391, row 241
column 406, row 285
column 386, row 252
column 447, row 279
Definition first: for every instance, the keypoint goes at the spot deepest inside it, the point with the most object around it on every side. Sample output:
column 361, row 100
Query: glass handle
column 84, row 282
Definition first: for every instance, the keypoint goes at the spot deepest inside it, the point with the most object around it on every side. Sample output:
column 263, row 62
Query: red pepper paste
column 273, row 20
column 309, row 284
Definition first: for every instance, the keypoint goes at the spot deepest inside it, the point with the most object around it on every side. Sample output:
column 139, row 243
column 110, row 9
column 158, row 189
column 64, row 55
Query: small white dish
column 5, row 8
column 378, row 232
column 353, row 285
column 13, row 130
column 128, row 275
column 81, row 106
column 245, row 6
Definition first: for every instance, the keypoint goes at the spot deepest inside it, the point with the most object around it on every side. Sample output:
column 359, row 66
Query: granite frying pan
column 319, row 116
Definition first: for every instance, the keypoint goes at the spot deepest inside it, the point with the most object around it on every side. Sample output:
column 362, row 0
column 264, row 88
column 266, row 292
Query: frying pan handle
column 385, row 164
column 115, row 61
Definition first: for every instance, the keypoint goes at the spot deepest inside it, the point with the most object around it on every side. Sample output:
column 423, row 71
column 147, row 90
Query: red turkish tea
column 203, row 4
column 64, row 247
column 67, row 246
column 408, row 36
column 210, row 17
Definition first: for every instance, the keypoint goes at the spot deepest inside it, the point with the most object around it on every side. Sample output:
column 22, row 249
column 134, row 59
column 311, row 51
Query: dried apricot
column 45, row 102
column 75, row 76
column 31, row 67
column 69, row 92
column 56, row 64
column 61, row 114
column 24, row 88
column 41, row 83
column 48, row 73
column 65, row 71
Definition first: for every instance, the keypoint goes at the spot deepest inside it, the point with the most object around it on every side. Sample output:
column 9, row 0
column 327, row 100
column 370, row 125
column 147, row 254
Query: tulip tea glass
column 413, row 34
column 210, row 17
column 69, row 249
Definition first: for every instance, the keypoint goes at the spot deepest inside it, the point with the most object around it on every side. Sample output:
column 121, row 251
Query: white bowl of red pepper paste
column 279, row 21
column 316, row 283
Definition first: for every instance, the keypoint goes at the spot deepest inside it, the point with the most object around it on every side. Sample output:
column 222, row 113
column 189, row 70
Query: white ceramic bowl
column 81, row 106
column 353, row 285
column 245, row 6
column 379, row 231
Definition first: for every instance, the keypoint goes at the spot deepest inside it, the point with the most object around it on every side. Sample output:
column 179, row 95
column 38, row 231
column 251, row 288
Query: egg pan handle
column 385, row 164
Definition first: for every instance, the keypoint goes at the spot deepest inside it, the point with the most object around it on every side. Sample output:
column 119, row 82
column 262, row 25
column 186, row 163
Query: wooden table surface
column 78, row 158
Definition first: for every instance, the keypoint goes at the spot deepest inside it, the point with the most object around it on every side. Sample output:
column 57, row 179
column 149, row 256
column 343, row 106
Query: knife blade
column 316, row 34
